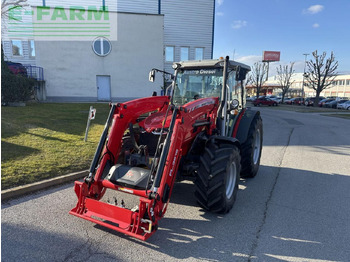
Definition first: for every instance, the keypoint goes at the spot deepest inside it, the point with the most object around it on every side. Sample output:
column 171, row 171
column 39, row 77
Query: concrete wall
column 71, row 67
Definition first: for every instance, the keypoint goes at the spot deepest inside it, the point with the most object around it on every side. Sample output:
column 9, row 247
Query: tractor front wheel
column 216, row 184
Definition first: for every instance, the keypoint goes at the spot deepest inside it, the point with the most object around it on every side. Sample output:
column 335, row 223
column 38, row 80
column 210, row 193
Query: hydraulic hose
column 164, row 153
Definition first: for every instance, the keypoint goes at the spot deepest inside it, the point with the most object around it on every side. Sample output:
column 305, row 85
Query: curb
column 31, row 188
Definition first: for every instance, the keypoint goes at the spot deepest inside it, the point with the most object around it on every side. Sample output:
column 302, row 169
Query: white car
column 345, row 105
column 278, row 99
column 252, row 98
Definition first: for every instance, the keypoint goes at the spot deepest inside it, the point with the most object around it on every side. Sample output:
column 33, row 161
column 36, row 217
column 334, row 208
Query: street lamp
column 302, row 90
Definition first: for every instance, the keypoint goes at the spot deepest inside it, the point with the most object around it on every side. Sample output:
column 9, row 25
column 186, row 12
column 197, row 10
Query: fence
column 35, row 72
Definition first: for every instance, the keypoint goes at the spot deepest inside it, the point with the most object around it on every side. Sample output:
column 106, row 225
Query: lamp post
column 302, row 90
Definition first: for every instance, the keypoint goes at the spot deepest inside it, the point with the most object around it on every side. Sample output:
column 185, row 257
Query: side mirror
column 152, row 75
column 234, row 104
column 240, row 74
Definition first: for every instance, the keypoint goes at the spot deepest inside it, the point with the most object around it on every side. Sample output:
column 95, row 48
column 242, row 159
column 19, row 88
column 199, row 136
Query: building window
column 169, row 54
column 101, row 46
column 31, row 48
column 341, row 82
column 348, row 82
column 184, row 53
column 199, row 53
column 17, row 48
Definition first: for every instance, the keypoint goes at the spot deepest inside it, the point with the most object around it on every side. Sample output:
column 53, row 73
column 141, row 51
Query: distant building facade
column 340, row 87
column 147, row 34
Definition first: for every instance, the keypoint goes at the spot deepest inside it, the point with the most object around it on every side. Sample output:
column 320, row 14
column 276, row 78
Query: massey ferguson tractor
column 200, row 130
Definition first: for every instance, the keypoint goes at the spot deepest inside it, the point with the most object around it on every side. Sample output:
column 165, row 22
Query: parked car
column 271, row 97
column 345, row 105
column 298, row 101
column 289, row 101
column 341, row 103
column 334, row 103
column 16, row 68
column 286, row 100
column 264, row 101
column 295, row 101
column 252, row 98
column 278, row 99
column 324, row 101
column 310, row 100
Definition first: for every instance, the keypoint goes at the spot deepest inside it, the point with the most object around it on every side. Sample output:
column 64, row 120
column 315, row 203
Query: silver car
column 345, row 105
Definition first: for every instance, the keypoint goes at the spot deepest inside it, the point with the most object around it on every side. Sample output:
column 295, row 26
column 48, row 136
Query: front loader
column 200, row 129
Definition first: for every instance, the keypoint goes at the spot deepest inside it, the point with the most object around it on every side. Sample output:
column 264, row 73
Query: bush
column 14, row 88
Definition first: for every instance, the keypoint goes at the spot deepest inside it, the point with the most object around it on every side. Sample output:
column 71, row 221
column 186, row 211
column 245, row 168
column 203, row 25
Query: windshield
column 193, row 84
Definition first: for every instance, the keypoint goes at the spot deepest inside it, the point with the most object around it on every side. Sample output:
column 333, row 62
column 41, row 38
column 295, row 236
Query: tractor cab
column 207, row 78
column 221, row 78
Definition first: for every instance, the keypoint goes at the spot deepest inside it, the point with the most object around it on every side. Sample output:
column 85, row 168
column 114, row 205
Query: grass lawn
column 345, row 116
column 41, row 141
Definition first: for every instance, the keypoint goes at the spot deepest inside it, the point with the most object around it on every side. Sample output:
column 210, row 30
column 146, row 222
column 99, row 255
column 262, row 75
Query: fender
column 231, row 140
column 244, row 124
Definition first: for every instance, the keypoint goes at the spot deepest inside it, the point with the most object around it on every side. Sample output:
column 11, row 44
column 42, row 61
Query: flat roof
column 211, row 63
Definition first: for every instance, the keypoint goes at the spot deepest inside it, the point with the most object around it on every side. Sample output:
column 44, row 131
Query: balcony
column 35, row 72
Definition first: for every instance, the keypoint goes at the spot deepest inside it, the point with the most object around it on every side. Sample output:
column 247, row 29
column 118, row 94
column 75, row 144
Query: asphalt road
column 296, row 209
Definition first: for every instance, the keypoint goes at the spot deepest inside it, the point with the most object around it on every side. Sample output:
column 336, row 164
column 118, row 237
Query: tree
column 7, row 6
column 284, row 75
column 257, row 77
column 14, row 88
column 320, row 72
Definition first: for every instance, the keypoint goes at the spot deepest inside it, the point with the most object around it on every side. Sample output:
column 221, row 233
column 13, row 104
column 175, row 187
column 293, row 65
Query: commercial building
column 109, row 61
column 340, row 87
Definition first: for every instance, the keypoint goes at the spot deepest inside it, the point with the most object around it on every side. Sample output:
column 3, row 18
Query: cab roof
column 212, row 63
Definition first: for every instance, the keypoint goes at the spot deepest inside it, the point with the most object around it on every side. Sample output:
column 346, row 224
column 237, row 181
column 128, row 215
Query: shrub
column 14, row 88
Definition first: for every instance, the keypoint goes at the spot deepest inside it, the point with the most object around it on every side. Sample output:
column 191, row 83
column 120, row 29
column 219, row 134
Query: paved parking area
column 296, row 209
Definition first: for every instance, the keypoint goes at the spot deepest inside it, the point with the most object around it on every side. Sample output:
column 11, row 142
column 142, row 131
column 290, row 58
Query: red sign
column 271, row 56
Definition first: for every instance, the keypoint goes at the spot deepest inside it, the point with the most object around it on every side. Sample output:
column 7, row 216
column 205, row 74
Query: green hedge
column 14, row 88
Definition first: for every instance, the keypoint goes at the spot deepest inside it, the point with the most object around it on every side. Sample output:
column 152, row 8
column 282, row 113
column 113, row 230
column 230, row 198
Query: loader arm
column 154, row 194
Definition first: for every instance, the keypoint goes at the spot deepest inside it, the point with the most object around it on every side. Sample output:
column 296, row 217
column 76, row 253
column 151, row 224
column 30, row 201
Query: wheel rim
column 257, row 147
column 231, row 177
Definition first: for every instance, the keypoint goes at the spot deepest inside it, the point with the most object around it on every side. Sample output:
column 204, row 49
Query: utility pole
column 302, row 92
column 268, row 68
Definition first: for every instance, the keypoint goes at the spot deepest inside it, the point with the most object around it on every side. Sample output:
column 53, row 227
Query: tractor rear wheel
column 216, row 184
column 251, row 149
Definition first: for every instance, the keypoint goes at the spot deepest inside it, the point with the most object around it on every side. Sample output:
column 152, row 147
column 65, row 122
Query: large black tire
column 216, row 184
column 251, row 149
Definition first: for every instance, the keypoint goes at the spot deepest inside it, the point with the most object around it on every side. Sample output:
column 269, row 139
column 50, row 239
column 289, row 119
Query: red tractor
column 200, row 129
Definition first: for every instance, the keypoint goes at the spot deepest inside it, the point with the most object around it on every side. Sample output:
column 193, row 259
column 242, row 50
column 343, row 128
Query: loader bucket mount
column 107, row 171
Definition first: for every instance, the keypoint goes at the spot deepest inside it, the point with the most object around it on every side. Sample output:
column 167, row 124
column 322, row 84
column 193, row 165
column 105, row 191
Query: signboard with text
column 271, row 56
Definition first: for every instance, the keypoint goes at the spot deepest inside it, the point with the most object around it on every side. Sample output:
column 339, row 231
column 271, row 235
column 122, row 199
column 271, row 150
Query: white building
column 340, row 87
column 110, row 66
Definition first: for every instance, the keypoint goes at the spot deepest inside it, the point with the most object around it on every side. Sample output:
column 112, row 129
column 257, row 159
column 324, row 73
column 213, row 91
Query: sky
column 244, row 29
